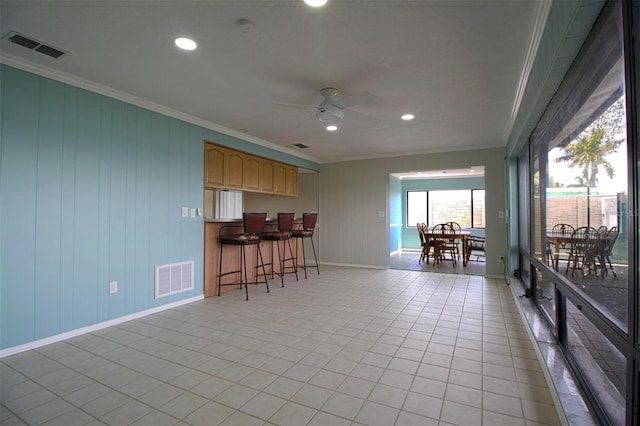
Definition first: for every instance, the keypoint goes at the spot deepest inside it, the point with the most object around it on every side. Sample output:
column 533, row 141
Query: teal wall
column 91, row 191
column 395, row 214
column 410, row 239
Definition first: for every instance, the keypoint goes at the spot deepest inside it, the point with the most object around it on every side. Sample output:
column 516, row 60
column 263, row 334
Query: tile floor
column 349, row 346
column 408, row 259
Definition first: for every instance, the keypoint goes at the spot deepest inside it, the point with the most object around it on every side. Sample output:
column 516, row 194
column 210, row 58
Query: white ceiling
column 456, row 65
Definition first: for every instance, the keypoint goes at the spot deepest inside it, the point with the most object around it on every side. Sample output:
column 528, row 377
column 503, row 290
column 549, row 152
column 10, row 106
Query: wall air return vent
column 33, row 44
column 174, row 278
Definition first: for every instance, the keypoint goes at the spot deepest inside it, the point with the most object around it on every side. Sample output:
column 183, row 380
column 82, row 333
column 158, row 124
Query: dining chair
column 456, row 229
column 425, row 242
column 444, row 242
column 476, row 246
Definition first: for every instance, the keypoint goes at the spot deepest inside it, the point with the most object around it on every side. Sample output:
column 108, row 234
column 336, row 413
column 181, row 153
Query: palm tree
column 590, row 152
column 592, row 147
column 602, row 138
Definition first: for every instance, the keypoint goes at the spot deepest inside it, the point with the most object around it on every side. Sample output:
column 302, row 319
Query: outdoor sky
column 562, row 173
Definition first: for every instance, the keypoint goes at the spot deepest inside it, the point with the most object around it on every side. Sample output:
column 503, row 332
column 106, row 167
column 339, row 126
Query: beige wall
column 353, row 193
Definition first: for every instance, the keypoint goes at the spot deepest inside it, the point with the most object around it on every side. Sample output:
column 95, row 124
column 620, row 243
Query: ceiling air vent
column 32, row 44
column 300, row 145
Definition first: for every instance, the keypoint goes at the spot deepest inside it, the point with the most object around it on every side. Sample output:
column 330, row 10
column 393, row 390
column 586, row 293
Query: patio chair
column 607, row 247
column 561, row 248
column 585, row 249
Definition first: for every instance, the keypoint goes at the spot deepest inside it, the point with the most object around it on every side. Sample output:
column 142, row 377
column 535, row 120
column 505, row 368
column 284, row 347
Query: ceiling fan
column 331, row 110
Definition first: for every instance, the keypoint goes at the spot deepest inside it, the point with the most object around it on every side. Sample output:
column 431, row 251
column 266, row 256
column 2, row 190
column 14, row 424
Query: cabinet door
column 292, row 181
column 266, row 176
column 234, row 163
column 214, row 172
column 251, row 173
column 279, row 179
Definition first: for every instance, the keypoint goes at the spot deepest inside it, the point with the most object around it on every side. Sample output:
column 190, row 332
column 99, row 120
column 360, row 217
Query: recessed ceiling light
column 332, row 128
column 407, row 117
column 315, row 3
column 471, row 171
column 185, row 43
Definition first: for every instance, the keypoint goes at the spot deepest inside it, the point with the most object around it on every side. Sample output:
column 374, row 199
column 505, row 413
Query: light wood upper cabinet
column 214, row 176
column 230, row 169
column 266, row 176
column 234, row 165
column 251, row 173
column 292, row 181
column 279, row 179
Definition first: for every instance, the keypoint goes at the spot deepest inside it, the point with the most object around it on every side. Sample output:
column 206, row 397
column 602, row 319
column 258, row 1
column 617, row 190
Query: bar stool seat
column 282, row 234
column 253, row 225
column 309, row 221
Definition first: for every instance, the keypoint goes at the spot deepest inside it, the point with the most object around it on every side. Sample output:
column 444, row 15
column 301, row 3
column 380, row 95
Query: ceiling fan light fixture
column 330, row 114
column 315, row 3
column 408, row 117
column 332, row 128
column 185, row 43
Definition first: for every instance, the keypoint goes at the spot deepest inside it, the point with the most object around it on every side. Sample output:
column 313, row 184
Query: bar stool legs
column 282, row 259
column 244, row 280
column 253, row 226
column 306, row 232
column 304, row 257
column 282, row 234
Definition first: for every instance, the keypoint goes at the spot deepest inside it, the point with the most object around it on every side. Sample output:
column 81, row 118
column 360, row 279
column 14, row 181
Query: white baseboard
column 497, row 277
column 352, row 265
column 88, row 329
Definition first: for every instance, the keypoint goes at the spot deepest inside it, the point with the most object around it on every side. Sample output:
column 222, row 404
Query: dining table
column 565, row 241
column 462, row 236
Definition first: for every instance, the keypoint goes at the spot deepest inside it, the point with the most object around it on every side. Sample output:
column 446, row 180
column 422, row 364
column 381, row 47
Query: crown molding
column 16, row 62
column 539, row 25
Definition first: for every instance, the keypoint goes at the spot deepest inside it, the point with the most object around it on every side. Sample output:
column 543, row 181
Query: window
column 576, row 190
column 477, row 208
column 416, row 207
column 432, row 207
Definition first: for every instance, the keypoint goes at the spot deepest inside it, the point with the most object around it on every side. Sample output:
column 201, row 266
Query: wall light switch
column 113, row 287
column 193, row 212
column 185, row 212
column 381, row 213
column 500, row 214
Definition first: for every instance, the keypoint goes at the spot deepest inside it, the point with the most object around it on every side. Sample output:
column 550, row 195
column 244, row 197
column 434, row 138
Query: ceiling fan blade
column 296, row 105
column 358, row 117
column 357, row 99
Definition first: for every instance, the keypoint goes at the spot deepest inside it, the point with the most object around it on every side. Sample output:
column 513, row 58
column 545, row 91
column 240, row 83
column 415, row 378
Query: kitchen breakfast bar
column 232, row 255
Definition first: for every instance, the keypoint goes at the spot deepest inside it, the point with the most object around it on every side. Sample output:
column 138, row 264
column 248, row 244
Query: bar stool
column 308, row 226
column 283, row 233
column 253, row 224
